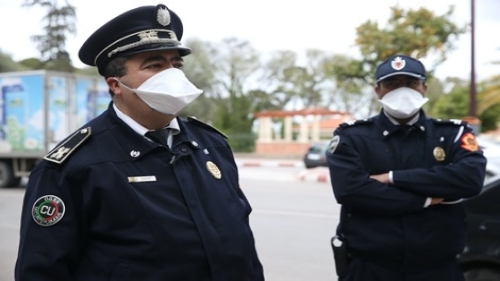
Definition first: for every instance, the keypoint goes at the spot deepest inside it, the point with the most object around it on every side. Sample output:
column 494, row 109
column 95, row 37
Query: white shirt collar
column 410, row 122
column 141, row 130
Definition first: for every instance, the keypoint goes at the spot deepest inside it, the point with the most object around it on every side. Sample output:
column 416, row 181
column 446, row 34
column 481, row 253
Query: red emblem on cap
column 398, row 63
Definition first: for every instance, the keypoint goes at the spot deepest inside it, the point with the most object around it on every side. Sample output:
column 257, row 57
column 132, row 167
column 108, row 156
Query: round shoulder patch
column 48, row 210
column 333, row 144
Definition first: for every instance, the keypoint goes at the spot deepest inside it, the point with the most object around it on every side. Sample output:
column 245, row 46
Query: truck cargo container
column 38, row 109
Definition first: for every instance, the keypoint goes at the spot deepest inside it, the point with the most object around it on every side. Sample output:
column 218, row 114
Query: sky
column 271, row 25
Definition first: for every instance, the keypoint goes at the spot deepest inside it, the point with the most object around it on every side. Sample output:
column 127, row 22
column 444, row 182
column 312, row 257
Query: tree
column 418, row 33
column 226, row 71
column 8, row 64
column 437, row 88
column 58, row 22
column 455, row 105
column 490, row 94
column 237, row 63
column 199, row 69
column 290, row 84
column 348, row 89
column 280, row 77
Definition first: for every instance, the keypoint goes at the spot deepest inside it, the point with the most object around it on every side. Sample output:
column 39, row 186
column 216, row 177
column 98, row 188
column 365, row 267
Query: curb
column 269, row 163
column 320, row 174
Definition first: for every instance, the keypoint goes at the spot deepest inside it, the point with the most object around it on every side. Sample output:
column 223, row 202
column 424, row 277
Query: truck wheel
column 482, row 274
column 7, row 178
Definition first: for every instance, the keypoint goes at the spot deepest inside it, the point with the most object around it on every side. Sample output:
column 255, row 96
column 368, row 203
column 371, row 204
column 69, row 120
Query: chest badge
column 214, row 170
column 439, row 154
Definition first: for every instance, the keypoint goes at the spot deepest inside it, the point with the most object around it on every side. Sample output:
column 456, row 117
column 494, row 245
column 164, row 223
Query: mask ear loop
column 125, row 86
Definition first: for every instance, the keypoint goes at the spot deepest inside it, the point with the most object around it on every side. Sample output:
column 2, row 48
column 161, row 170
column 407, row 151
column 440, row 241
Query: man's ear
column 424, row 86
column 113, row 85
column 377, row 90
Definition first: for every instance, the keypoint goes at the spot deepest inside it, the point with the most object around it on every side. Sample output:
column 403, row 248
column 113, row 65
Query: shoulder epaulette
column 455, row 122
column 61, row 152
column 356, row 122
column 205, row 125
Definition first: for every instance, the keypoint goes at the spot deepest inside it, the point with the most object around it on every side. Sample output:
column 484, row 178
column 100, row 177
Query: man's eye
column 153, row 66
column 413, row 83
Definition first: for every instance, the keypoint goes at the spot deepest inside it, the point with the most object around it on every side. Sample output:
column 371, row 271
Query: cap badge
column 439, row 154
column 398, row 63
column 163, row 16
column 214, row 170
column 48, row 210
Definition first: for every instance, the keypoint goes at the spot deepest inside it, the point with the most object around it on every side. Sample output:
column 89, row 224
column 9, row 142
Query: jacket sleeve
column 353, row 187
column 49, row 232
column 462, row 178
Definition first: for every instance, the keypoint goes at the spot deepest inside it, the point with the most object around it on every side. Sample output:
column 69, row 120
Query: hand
column 383, row 178
column 435, row 201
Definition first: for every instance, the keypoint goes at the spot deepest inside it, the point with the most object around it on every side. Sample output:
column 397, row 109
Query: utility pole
column 472, row 119
column 473, row 94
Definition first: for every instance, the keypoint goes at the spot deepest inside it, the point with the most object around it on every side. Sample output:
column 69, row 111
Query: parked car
column 316, row 155
column 480, row 260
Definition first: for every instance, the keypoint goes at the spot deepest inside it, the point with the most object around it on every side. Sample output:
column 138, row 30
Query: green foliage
column 348, row 92
column 57, row 23
column 8, row 64
column 418, row 33
column 490, row 118
column 31, row 63
column 489, row 94
column 233, row 118
column 91, row 70
column 455, row 105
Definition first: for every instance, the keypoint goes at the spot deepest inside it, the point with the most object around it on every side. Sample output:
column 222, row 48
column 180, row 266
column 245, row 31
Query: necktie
column 159, row 136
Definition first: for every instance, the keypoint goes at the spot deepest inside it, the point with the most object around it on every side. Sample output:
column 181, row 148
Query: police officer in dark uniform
column 138, row 193
column 399, row 177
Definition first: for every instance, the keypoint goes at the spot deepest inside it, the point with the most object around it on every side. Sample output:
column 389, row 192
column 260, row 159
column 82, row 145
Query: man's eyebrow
column 154, row 58
column 162, row 59
column 401, row 78
column 177, row 58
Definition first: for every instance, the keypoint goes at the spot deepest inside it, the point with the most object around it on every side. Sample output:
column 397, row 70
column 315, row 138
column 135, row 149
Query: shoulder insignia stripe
column 356, row 122
column 205, row 125
column 456, row 122
column 60, row 153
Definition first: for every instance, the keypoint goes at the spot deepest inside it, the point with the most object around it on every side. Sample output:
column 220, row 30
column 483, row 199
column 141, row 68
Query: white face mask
column 167, row 91
column 403, row 102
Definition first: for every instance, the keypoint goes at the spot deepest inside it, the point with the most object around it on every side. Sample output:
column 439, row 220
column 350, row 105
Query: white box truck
column 38, row 109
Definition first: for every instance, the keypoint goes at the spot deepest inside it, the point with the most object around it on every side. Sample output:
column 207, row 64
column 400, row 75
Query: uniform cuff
column 427, row 202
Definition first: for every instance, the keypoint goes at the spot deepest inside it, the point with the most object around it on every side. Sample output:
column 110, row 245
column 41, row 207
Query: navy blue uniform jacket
column 388, row 223
column 131, row 215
